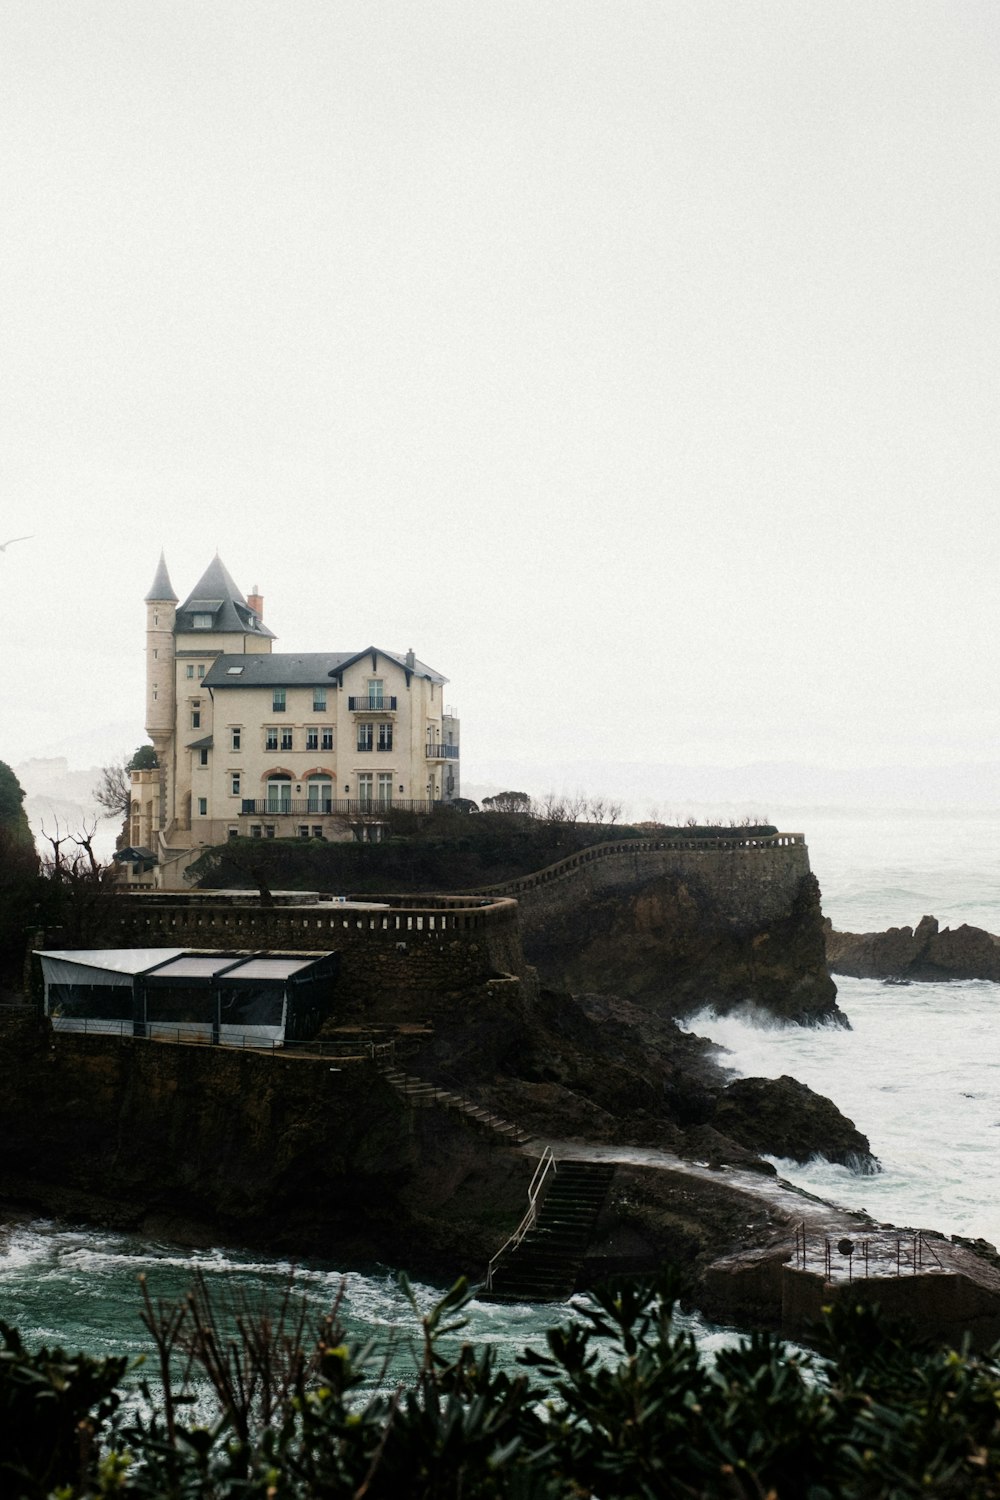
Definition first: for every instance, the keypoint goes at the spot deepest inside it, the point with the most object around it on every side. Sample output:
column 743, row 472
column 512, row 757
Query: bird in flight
column 10, row 542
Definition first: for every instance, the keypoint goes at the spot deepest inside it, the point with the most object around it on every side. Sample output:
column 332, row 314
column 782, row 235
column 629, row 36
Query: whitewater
column 918, row 1072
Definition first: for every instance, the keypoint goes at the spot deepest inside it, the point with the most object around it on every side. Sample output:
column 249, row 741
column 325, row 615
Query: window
column 279, row 794
column 317, row 830
column 269, row 830
column 312, row 739
column 203, row 757
column 365, row 789
column 319, row 700
column 235, row 784
column 286, row 739
column 303, row 830
column 366, row 736
column 201, row 622
column 196, row 718
column 234, row 833
column 376, row 690
column 326, row 737
column 385, row 736
column 278, row 701
column 320, row 792
column 203, row 807
column 235, row 739
column 201, row 669
column 385, row 787
column 190, row 671
column 255, row 830
column 270, row 739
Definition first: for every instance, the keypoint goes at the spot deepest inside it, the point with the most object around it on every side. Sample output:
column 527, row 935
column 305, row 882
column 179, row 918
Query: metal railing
column 877, row 1255
column 301, row 807
column 363, row 705
column 546, row 1164
column 199, row 1034
column 442, row 752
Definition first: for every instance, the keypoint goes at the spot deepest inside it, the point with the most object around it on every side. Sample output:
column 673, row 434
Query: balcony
column 350, row 807
column 441, row 752
column 371, row 705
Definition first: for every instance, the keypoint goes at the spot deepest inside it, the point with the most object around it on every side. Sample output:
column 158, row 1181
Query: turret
column 161, row 614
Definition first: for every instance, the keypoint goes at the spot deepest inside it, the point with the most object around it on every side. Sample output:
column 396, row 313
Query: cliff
column 680, row 926
column 925, row 952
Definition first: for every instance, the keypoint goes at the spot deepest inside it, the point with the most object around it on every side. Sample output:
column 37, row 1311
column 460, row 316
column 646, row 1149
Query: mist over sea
column 919, row 1073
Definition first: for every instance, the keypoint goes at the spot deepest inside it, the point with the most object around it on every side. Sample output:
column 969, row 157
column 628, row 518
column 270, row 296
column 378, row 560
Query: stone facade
column 254, row 743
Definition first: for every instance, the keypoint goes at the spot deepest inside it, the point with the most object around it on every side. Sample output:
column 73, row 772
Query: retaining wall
column 753, row 879
column 429, row 944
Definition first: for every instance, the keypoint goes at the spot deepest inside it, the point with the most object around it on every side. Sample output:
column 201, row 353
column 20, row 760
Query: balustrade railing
column 370, row 705
column 263, row 807
column 442, row 752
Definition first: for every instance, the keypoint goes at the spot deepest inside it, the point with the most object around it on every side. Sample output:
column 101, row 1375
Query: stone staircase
column 419, row 1094
column 544, row 1265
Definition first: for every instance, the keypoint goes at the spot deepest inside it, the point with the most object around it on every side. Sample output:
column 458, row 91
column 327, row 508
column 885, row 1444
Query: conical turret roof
column 216, row 595
column 162, row 588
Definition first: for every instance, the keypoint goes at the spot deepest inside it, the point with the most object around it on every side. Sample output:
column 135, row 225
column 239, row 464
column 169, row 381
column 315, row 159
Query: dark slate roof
column 161, row 588
column 275, row 669
column 297, row 669
column 216, row 594
column 205, row 743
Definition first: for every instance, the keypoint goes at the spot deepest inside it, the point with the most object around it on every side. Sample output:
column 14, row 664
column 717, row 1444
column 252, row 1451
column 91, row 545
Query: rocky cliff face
column 925, row 952
column 675, row 943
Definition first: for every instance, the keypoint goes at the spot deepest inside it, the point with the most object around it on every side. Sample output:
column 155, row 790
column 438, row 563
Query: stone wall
column 420, row 947
column 753, row 879
column 208, row 1144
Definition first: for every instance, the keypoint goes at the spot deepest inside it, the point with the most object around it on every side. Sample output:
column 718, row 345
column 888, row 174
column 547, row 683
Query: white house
column 257, row 743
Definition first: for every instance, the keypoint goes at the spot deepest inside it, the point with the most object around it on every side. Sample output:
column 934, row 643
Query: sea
column 918, row 1071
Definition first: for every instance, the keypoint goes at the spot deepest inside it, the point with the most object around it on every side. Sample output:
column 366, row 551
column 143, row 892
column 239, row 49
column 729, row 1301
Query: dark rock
column 924, row 953
column 782, row 1117
column 675, row 944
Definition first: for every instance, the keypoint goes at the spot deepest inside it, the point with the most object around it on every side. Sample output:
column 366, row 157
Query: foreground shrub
column 618, row 1406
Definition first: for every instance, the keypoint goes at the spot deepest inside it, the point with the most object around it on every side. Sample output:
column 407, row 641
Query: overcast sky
column 635, row 363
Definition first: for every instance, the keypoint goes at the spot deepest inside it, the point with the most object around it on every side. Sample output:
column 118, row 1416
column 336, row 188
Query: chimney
column 411, row 660
column 256, row 603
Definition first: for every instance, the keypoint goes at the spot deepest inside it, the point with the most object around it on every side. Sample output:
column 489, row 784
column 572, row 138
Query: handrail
column 546, row 1163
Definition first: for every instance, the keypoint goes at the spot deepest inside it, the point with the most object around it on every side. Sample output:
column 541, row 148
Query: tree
column 113, row 791
column 508, row 802
column 13, row 818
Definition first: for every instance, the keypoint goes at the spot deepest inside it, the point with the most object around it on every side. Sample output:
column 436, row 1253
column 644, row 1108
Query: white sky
column 636, row 363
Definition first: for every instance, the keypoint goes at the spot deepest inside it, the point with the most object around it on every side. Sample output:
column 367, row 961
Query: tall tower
column 161, row 614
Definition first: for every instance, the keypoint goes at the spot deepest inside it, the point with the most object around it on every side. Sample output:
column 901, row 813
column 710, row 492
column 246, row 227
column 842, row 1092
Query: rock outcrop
column 676, row 943
column 925, row 952
column 782, row 1117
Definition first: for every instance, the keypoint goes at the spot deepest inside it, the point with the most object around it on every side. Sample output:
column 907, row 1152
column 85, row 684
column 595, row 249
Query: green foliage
column 13, row 818
column 52, row 1406
column 144, row 759
column 617, row 1407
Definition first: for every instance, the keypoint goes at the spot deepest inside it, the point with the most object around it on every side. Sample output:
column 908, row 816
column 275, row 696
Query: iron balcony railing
column 442, row 752
column 301, row 807
column 371, row 705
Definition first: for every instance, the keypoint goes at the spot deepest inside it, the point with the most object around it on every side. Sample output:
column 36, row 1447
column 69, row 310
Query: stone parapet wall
column 421, row 944
column 753, row 879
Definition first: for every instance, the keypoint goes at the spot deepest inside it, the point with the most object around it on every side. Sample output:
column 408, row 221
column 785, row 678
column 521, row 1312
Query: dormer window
column 201, row 622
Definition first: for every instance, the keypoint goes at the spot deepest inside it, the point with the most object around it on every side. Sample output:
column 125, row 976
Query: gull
column 10, row 542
